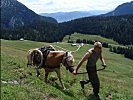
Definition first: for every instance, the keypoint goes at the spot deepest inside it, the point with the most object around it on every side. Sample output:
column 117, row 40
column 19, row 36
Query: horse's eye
column 71, row 61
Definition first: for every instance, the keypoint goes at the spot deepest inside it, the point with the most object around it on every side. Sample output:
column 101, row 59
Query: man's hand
column 104, row 65
column 75, row 72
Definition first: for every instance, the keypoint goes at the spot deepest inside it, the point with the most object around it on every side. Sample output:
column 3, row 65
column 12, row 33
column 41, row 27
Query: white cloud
column 42, row 6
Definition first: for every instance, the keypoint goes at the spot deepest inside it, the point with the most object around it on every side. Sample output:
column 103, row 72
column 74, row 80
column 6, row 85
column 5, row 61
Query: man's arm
column 86, row 56
column 102, row 60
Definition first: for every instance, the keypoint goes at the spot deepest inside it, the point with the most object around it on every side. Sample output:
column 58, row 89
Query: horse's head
column 68, row 61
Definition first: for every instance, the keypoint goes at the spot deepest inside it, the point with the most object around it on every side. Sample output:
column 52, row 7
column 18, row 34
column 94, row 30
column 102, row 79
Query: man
column 92, row 56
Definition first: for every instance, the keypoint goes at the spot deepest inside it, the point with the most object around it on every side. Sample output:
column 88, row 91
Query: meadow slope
column 80, row 36
column 20, row 83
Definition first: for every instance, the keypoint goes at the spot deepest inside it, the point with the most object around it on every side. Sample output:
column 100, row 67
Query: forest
column 118, row 28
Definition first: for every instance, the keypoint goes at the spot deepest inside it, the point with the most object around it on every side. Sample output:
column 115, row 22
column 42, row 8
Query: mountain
column 67, row 16
column 123, row 9
column 118, row 28
column 14, row 14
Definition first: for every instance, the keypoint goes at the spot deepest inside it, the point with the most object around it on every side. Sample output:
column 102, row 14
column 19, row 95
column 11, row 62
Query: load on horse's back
column 50, row 59
column 39, row 55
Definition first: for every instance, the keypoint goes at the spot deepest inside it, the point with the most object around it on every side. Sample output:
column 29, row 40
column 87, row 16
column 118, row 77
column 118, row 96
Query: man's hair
column 97, row 45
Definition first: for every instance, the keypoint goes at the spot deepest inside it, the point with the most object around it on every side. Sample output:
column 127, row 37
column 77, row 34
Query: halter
column 65, row 63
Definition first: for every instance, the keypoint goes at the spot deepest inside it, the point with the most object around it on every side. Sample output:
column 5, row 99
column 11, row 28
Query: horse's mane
column 71, row 56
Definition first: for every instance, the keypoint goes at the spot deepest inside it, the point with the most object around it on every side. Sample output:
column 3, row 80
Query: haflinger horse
column 51, row 63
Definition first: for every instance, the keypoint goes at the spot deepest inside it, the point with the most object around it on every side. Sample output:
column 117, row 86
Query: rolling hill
column 75, row 36
column 20, row 82
column 118, row 28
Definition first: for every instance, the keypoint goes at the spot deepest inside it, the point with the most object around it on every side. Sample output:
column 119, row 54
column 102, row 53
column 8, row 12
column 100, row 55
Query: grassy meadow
column 76, row 36
column 19, row 82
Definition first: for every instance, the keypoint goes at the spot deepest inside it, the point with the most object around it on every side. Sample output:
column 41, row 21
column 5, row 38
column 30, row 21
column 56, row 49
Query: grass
column 116, row 80
column 76, row 36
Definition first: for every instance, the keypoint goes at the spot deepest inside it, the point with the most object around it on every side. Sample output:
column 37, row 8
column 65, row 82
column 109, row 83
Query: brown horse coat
column 54, row 58
column 53, row 62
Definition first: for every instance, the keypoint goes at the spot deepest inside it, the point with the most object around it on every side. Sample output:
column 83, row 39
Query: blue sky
column 51, row 6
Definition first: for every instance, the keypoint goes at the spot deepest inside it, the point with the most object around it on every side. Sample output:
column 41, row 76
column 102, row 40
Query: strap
column 52, row 67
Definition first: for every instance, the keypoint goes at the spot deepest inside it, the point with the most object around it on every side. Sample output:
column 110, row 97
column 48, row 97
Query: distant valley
column 123, row 9
column 68, row 16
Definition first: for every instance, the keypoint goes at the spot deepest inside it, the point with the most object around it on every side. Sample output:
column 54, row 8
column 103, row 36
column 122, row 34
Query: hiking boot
column 97, row 97
column 82, row 84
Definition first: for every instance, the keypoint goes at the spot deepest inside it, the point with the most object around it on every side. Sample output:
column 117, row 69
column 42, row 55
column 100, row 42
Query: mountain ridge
column 123, row 9
column 15, row 14
column 67, row 16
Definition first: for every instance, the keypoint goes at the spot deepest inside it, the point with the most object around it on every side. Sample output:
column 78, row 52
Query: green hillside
column 76, row 36
column 22, row 83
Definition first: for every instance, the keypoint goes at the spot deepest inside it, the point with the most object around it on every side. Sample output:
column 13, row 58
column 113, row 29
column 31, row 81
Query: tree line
column 126, row 51
column 118, row 28
column 85, row 41
column 37, row 31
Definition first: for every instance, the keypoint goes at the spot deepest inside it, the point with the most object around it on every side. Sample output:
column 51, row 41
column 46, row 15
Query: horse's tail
column 32, row 54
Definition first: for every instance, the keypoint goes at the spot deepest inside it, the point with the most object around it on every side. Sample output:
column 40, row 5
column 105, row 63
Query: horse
column 52, row 62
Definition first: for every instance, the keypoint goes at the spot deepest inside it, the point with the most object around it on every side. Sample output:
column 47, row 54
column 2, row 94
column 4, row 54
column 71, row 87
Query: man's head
column 97, row 46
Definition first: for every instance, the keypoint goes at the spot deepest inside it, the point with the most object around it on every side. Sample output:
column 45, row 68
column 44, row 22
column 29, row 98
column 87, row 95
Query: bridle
column 66, row 64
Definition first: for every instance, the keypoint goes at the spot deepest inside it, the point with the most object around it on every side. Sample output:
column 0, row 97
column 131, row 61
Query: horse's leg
column 59, row 76
column 37, row 72
column 46, row 75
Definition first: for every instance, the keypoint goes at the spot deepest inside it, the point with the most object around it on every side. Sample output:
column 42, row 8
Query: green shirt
column 94, row 56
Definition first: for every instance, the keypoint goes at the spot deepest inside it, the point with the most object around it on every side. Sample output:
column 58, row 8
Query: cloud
column 50, row 3
column 42, row 6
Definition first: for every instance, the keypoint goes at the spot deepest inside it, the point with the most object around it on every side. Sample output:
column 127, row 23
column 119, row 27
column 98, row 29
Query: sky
column 51, row 6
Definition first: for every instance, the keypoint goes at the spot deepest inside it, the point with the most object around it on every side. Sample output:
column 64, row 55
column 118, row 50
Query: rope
column 82, row 73
column 68, row 50
column 96, row 70
column 77, row 49
column 60, row 47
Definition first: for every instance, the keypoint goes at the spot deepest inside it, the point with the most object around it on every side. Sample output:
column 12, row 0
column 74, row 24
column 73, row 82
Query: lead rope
column 68, row 50
column 96, row 70
column 60, row 47
column 76, row 50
